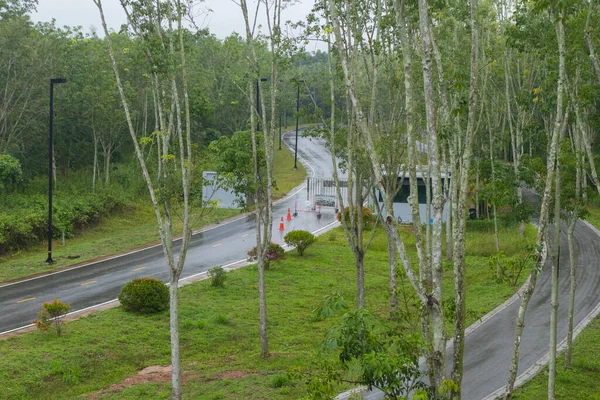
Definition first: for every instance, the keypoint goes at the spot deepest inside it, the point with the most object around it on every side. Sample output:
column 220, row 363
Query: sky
column 224, row 18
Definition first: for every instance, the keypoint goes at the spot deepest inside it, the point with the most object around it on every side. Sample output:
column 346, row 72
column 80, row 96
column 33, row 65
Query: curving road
column 226, row 244
column 488, row 348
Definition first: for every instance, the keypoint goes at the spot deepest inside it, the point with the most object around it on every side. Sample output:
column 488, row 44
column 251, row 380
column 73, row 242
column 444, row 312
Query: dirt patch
column 235, row 374
column 152, row 374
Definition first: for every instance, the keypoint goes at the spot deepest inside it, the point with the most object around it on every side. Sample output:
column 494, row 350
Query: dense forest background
column 95, row 170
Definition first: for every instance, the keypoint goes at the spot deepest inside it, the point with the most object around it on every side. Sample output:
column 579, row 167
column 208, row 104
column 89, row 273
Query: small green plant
column 300, row 239
column 52, row 314
column 280, row 381
column 217, row 276
column 510, row 269
column 222, row 320
column 333, row 303
column 274, row 252
column 145, row 296
column 332, row 237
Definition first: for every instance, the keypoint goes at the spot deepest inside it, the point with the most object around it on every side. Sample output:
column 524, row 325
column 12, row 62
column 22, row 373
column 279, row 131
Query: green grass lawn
column 582, row 380
column 129, row 230
column 219, row 330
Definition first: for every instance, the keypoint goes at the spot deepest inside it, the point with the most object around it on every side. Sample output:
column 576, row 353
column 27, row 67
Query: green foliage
column 301, row 239
column 233, row 160
column 280, row 381
column 26, row 222
column 217, row 276
column 373, row 354
column 368, row 217
column 511, row 268
column 144, row 296
column 52, row 314
column 11, row 174
column 332, row 304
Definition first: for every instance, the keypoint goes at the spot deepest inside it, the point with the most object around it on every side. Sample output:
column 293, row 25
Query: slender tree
column 176, row 144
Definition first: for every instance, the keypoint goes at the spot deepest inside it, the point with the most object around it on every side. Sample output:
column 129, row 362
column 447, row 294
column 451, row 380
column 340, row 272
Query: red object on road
column 281, row 226
column 289, row 216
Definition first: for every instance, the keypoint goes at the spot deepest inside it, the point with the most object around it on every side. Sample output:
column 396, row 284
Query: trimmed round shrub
column 301, row 239
column 145, row 296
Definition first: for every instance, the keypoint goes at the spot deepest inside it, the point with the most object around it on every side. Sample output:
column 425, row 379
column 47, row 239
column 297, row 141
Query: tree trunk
column 570, row 239
column 94, row 171
column 588, row 39
column 554, row 290
column 460, row 222
column 514, row 140
column 174, row 331
column 531, row 281
column 360, row 279
column 262, row 296
column 437, row 319
column 392, row 265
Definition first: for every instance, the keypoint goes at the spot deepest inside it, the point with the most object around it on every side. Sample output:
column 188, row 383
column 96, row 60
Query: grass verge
column 130, row 230
column 103, row 353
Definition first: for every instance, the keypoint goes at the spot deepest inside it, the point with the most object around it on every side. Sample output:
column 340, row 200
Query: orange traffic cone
column 289, row 216
column 281, row 227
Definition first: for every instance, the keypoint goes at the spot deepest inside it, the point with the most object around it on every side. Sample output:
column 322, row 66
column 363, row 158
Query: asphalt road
column 488, row 349
column 99, row 282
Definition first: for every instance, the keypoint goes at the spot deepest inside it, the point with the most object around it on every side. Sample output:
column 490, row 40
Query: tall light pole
column 297, row 116
column 53, row 81
column 280, row 116
column 258, row 104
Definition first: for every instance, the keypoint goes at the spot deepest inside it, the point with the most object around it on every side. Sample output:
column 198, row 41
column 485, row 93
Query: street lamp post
column 258, row 103
column 280, row 130
column 54, row 81
column 297, row 116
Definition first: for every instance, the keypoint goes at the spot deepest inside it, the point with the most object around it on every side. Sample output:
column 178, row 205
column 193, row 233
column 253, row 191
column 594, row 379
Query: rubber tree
column 158, row 18
column 531, row 281
column 263, row 174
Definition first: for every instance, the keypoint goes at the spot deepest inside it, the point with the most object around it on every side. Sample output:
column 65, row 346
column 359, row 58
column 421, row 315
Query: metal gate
column 321, row 193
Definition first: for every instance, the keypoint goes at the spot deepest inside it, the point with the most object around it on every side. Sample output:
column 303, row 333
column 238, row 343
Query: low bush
column 217, row 276
column 275, row 252
column 52, row 314
column 300, row 239
column 145, row 296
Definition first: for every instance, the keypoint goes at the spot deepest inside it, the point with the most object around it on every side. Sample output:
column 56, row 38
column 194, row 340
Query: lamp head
column 58, row 80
